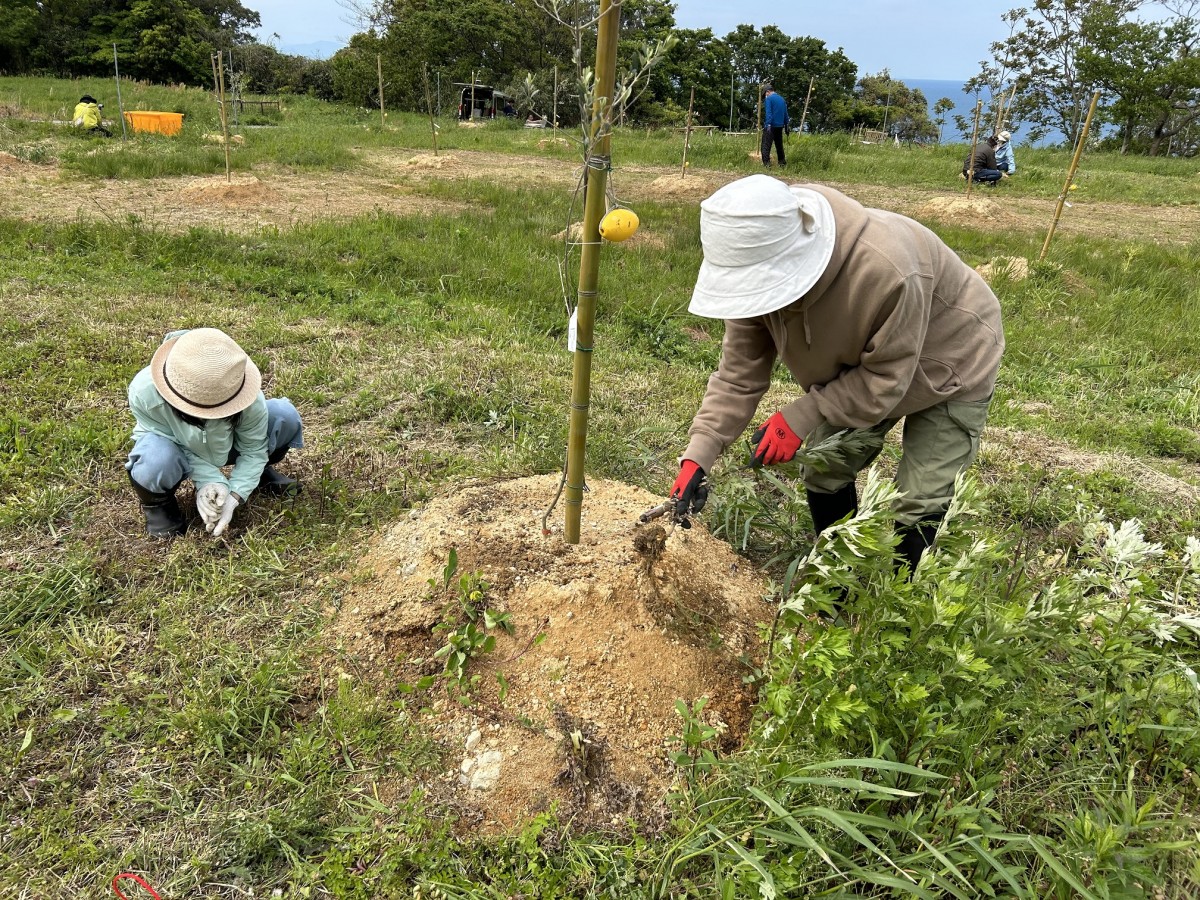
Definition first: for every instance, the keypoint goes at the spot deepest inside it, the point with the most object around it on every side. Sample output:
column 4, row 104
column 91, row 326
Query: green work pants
column 937, row 444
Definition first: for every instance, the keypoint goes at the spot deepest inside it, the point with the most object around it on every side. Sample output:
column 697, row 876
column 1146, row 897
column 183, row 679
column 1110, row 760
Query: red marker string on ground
column 139, row 879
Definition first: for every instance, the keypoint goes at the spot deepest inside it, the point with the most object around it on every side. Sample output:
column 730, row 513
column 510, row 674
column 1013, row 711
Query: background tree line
column 1057, row 53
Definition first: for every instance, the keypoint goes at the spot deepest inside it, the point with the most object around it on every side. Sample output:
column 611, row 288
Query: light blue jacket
column 205, row 449
column 1004, row 153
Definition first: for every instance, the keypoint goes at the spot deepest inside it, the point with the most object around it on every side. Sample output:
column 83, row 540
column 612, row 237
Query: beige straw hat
column 204, row 373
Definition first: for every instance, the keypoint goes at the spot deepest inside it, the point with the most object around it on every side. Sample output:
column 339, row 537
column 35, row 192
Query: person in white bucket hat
column 1006, row 161
column 197, row 408
column 874, row 317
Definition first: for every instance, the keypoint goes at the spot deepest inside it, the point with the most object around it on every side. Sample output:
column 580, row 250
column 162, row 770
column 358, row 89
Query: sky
column 928, row 39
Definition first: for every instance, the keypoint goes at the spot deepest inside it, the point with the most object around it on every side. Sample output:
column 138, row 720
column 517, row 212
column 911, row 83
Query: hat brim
column 742, row 292
column 235, row 404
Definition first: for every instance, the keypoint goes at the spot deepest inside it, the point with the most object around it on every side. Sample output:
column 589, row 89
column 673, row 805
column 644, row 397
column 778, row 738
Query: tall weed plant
column 1004, row 723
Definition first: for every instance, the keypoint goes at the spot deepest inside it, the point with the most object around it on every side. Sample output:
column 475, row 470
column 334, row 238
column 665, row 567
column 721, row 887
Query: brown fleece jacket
column 897, row 323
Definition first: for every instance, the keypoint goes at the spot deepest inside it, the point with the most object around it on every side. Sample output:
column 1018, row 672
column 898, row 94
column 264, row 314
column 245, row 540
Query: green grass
column 158, row 707
column 311, row 134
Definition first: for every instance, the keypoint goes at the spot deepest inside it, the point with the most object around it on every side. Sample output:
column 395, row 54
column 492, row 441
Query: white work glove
column 210, row 499
column 231, row 503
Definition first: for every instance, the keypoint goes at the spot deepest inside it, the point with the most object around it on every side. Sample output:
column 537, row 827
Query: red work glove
column 689, row 490
column 774, row 442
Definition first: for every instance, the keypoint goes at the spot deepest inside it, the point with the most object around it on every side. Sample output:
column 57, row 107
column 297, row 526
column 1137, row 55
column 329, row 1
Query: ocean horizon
column 964, row 105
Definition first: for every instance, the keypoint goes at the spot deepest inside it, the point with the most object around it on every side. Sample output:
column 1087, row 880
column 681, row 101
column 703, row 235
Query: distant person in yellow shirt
column 88, row 116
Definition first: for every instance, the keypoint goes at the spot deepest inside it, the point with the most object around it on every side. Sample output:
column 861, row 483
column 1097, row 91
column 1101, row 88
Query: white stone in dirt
column 467, row 764
column 473, row 739
column 487, row 773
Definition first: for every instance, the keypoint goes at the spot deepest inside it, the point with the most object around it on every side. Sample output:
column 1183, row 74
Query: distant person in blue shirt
column 775, row 121
column 1005, row 161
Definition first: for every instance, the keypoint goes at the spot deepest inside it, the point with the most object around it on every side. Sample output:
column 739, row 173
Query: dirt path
column 391, row 181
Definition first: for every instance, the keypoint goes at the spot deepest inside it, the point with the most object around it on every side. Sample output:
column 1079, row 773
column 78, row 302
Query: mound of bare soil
column 973, row 211
column 429, row 161
column 576, row 709
column 245, row 190
column 675, row 187
column 8, row 161
column 1015, row 268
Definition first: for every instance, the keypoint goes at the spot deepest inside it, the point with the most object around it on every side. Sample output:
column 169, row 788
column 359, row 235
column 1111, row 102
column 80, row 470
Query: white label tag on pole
column 572, row 330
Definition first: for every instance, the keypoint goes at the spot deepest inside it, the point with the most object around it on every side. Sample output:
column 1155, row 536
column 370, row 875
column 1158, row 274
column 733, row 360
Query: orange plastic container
column 160, row 122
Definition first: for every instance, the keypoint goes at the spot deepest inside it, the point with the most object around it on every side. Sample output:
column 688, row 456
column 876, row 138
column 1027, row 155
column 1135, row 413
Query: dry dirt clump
column 973, row 211
column 674, row 187
column 607, row 635
column 429, row 161
column 1014, row 268
column 8, row 161
column 243, row 190
column 237, row 139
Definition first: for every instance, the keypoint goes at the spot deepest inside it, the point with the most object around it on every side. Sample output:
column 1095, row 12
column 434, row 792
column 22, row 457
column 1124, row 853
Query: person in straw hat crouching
column 877, row 320
column 199, row 407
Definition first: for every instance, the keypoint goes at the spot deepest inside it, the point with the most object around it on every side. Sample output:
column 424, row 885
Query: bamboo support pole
column 471, row 111
column 379, row 73
column 554, row 111
column 974, row 145
column 1062, row 197
column 429, row 104
column 807, row 98
column 758, row 127
column 687, row 132
column 589, row 263
column 219, row 82
column 120, row 106
column 1002, row 113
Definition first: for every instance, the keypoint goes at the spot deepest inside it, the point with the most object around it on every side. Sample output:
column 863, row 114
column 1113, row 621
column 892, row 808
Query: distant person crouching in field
column 1006, row 162
column 88, row 116
column 985, row 170
column 199, row 407
column 876, row 319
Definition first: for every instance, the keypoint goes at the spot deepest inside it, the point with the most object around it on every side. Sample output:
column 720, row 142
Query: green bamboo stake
column 1062, row 198
column 589, row 262
column 974, row 145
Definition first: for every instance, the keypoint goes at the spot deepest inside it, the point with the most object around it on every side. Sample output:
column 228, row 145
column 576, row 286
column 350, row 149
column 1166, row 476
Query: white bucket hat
column 204, row 373
column 765, row 244
column 1004, row 137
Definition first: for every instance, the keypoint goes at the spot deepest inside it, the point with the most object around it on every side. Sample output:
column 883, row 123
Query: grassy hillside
column 1022, row 720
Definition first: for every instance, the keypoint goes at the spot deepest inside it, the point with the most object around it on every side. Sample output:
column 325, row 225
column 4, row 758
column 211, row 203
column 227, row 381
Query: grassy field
column 1023, row 720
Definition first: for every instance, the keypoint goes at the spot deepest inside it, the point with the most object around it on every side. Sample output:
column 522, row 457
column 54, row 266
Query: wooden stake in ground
column 807, row 98
column 554, row 111
column 429, row 103
column 1002, row 112
column 120, row 106
column 471, row 111
column 379, row 72
column 758, row 127
column 219, row 82
column 687, row 132
column 589, row 263
column 1062, row 197
column 974, row 145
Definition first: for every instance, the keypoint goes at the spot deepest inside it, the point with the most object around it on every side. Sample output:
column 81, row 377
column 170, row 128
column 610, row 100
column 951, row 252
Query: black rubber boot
column 914, row 541
column 827, row 509
column 275, row 484
column 164, row 518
